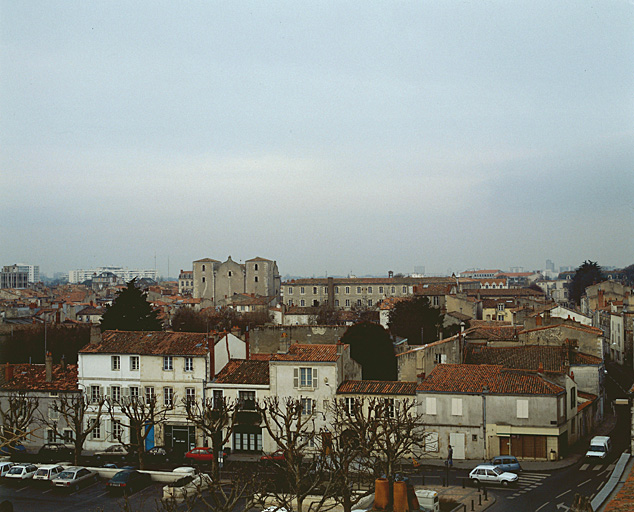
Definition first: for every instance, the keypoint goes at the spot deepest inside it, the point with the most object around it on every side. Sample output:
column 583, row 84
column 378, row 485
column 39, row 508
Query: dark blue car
column 507, row 463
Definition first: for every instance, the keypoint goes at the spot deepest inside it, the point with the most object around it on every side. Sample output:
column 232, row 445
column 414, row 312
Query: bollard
column 443, row 481
column 485, row 495
column 423, row 480
column 463, row 483
column 479, row 500
column 472, row 505
column 464, row 508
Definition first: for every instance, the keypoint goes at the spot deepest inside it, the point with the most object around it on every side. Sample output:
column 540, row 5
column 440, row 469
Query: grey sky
column 331, row 136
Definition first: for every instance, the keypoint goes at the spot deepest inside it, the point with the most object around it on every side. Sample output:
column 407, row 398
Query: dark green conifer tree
column 130, row 311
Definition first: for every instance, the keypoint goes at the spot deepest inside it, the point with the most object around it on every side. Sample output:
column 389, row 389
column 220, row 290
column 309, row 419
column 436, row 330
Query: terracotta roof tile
column 240, row 371
column 492, row 331
column 149, row 343
column 377, row 387
column 471, row 378
column 316, row 353
column 583, row 328
column 624, row 499
column 528, row 357
column 32, row 377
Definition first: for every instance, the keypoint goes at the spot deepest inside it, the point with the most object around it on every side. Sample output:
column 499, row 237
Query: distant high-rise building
column 32, row 270
column 550, row 265
column 13, row 277
column 125, row 274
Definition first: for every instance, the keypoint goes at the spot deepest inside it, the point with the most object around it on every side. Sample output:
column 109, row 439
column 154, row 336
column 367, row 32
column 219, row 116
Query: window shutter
column 295, row 377
column 315, row 381
column 109, row 436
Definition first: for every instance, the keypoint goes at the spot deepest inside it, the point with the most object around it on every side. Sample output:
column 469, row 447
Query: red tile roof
column 377, row 387
column 315, row 353
column 32, row 377
column 528, row 357
column 149, row 343
column 491, row 331
column 582, row 328
column 471, row 378
column 624, row 499
column 240, row 371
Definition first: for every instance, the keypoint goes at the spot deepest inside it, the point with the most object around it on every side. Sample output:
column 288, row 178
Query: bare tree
column 137, row 415
column 17, row 417
column 76, row 409
column 292, row 427
column 216, row 419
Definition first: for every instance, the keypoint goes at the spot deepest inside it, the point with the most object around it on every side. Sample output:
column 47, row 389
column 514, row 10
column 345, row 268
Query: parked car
column 5, row 466
column 114, row 452
column 12, row 450
column 55, row 452
column 507, row 463
column 73, row 478
column 277, row 456
column 158, row 454
column 21, row 472
column 200, row 455
column 489, row 474
column 128, row 481
column 190, row 483
column 47, row 473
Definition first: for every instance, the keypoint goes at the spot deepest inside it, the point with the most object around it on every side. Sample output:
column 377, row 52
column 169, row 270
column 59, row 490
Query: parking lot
column 29, row 497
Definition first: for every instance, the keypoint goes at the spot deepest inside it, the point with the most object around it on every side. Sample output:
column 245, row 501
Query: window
column 115, row 363
column 358, row 289
column 369, row 289
column 51, row 436
column 302, row 302
column 189, row 364
column 134, row 392
column 522, row 408
column 290, row 290
column 370, row 302
column 134, row 363
column 307, row 406
column 325, row 290
column 380, row 289
column 337, row 303
column 347, row 290
column 404, row 289
column 289, row 302
column 474, row 437
column 315, row 303
column 190, row 394
column 435, row 301
column 149, row 394
column 430, row 404
column 53, row 413
column 456, row 406
column 500, row 307
column 314, row 290
column 350, row 403
column 247, row 400
column 305, row 377
column 336, row 289
column 230, row 273
column 168, row 397
column 96, row 432
column 68, row 436
column 218, row 398
column 117, row 430
column 203, row 268
column 348, row 303
column 255, row 267
column 203, row 279
column 500, row 318
column 95, row 394
column 301, row 290
column 115, row 394
column 389, row 407
column 256, row 279
column 168, row 363
column 573, row 398
column 393, row 289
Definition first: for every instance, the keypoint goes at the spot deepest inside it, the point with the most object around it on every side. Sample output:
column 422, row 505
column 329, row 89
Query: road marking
column 44, row 492
column 542, row 506
column 21, row 489
column 596, row 468
column 560, row 495
column 584, row 483
column 584, row 467
column 102, row 494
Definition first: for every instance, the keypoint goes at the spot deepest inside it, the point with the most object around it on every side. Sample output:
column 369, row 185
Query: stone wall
column 268, row 339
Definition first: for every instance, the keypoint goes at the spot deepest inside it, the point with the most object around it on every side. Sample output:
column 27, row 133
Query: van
column 427, row 500
column 599, row 447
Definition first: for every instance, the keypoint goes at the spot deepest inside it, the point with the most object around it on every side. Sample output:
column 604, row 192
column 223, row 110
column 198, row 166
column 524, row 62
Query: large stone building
column 217, row 282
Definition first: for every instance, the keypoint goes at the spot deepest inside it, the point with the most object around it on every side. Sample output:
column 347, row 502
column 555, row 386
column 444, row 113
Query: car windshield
column 42, row 472
column 16, row 471
column 122, row 476
column 66, row 475
column 597, row 448
column 182, row 481
column 497, row 471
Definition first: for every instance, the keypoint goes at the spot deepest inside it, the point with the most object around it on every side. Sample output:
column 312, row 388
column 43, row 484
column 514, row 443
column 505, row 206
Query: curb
column 607, row 489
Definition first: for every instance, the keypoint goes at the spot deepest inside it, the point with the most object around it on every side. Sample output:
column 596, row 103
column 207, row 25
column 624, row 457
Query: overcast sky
column 334, row 137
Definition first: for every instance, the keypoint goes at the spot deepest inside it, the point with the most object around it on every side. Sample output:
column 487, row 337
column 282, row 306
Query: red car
column 201, row 454
column 275, row 456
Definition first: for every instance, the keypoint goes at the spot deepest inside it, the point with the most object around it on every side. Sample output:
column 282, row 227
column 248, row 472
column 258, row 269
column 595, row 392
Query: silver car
column 73, row 478
column 489, row 474
column 21, row 472
column 47, row 473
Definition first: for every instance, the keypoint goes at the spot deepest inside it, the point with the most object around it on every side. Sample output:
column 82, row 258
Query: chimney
column 538, row 320
column 63, row 363
column 95, row 335
column 421, row 377
column 248, row 347
column 49, row 367
column 540, row 368
column 8, row 372
column 572, row 375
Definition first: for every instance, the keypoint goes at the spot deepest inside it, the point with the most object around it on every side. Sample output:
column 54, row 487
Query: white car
column 489, row 474
column 189, row 484
column 47, row 472
column 5, row 467
column 21, row 472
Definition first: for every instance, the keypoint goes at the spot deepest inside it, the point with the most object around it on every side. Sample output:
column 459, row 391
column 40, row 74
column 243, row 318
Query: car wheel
column 76, row 488
column 475, row 481
column 505, row 483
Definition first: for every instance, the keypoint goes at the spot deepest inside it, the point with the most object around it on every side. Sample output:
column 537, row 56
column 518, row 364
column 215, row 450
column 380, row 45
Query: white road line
column 560, row 495
column 542, row 506
column 596, row 468
column 584, row 467
column 584, row 483
column 44, row 492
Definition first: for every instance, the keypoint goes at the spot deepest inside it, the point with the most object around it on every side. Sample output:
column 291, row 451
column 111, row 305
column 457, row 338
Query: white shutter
column 108, row 427
column 296, row 377
column 456, row 406
column 431, row 406
column 315, row 380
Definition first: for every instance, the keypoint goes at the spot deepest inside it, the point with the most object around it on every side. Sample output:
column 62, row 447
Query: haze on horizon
column 332, row 137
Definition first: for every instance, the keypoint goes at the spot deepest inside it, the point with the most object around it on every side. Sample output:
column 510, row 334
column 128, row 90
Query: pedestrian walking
column 450, row 456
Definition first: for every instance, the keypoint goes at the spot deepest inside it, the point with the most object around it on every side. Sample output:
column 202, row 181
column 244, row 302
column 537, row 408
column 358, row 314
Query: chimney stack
column 540, row 369
column 95, row 335
column 8, row 372
column 49, row 367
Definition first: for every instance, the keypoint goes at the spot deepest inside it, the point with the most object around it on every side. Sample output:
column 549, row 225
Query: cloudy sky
column 334, row 137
